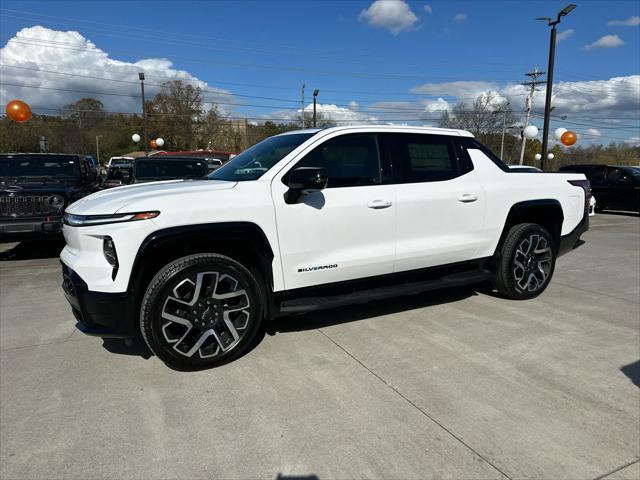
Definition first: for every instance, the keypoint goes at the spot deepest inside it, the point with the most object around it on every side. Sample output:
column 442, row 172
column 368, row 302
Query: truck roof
column 387, row 128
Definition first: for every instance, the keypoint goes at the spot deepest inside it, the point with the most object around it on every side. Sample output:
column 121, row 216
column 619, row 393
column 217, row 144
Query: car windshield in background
column 38, row 166
column 255, row 161
column 163, row 169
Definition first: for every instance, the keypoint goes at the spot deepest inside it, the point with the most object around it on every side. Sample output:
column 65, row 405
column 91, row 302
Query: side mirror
column 304, row 180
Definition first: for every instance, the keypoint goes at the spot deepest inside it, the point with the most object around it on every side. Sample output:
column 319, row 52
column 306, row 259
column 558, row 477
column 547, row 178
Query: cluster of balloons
column 155, row 143
column 18, row 111
column 565, row 136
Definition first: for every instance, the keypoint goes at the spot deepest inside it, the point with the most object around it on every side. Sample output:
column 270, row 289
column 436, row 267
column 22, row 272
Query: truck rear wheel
column 526, row 262
column 201, row 311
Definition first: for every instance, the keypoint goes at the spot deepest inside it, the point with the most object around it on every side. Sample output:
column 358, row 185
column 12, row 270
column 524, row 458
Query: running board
column 310, row 304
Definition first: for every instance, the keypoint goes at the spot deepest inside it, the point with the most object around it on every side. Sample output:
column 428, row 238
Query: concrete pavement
column 450, row 384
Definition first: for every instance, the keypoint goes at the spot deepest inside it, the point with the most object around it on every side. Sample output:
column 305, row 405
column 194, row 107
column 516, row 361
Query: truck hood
column 117, row 199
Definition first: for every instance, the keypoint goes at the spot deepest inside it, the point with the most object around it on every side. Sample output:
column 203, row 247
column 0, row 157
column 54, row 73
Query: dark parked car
column 169, row 168
column 35, row 188
column 117, row 175
column 615, row 187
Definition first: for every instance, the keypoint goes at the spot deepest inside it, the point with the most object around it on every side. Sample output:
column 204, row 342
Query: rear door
column 621, row 192
column 440, row 202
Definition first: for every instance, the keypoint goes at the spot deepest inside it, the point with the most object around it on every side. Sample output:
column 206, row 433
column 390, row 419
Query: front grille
column 24, row 206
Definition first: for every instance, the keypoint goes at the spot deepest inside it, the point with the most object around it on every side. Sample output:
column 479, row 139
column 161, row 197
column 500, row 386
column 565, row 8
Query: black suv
column 153, row 169
column 616, row 187
column 35, row 188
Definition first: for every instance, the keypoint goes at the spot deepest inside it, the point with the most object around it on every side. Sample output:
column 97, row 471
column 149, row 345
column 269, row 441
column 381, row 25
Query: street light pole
column 552, row 52
column 315, row 94
column 98, row 148
column 302, row 105
column 144, row 116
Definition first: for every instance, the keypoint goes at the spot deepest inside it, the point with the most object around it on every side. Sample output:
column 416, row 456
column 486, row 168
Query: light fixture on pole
column 315, row 94
column 552, row 52
column 98, row 148
column 144, row 116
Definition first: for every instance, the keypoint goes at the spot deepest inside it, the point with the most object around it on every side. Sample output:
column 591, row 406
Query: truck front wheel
column 201, row 311
column 525, row 262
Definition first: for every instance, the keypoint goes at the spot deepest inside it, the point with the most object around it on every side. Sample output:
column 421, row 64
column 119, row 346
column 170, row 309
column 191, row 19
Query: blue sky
column 366, row 60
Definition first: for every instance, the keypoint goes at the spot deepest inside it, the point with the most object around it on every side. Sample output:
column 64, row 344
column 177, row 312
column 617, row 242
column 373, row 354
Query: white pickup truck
column 307, row 220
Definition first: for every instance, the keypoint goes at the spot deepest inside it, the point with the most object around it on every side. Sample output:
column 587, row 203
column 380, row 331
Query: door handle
column 379, row 204
column 467, row 198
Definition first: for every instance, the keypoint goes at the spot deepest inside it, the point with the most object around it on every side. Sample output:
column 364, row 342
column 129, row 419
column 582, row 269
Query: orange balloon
column 18, row 111
column 568, row 138
column 153, row 144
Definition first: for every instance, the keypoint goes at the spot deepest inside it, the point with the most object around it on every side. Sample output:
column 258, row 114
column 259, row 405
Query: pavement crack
column 618, row 469
column 410, row 402
column 55, row 342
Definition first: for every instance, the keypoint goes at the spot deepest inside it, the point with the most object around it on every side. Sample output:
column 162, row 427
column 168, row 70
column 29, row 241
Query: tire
column 201, row 311
column 521, row 273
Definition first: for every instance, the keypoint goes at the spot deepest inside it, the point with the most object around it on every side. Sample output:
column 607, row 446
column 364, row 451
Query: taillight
column 586, row 186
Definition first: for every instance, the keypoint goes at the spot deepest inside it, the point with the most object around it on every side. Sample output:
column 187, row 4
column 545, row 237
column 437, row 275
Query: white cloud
column 629, row 22
column 608, row 41
column 565, row 34
column 454, row 89
column 428, row 9
column 393, row 15
column 38, row 48
column 342, row 116
column 460, row 17
column 633, row 141
column 353, row 105
column 594, row 132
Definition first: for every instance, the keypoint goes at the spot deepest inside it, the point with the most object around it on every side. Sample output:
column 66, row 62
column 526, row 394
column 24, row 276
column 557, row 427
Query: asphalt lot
column 450, row 384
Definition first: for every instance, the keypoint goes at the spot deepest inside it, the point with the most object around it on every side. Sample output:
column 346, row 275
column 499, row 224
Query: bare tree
column 483, row 117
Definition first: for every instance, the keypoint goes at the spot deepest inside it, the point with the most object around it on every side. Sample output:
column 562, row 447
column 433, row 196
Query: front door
column 347, row 230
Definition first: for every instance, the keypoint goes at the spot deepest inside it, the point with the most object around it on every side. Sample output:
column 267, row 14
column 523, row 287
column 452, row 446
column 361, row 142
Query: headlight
column 57, row 203
column 86, row 220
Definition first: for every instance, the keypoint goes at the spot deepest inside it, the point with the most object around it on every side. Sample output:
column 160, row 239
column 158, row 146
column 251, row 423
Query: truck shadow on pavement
column 377, row 308
column 31, row 250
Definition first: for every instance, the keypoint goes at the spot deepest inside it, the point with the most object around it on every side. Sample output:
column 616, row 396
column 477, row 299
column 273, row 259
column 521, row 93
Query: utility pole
column 552, row 53
column 504, row 127
column 144, row 117
column 315, row 94
column 302, row 105
column 98, row 148
column 533, row 83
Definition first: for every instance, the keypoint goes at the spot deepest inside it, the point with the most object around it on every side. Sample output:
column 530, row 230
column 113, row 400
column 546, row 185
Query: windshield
column 39, row 166
column 255, row 161
column 162, row 169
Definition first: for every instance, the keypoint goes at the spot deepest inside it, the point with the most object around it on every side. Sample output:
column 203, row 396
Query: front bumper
column 17, row 230
column 107, row 315
column 570, row 241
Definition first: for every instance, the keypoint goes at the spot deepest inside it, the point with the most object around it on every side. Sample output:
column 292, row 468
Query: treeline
column 486, row 118
column 177, row 114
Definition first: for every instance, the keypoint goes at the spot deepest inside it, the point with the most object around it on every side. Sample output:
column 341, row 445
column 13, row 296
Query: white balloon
column 558, row 133
column 159, row 142
column 135, row 137
column 550, row 156
column 537, row 156
column 531, row 131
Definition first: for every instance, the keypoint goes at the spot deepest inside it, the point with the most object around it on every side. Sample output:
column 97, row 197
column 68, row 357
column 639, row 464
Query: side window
column 348, row 160
column 615, row 175
column 424, row 158
column 595, row 175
